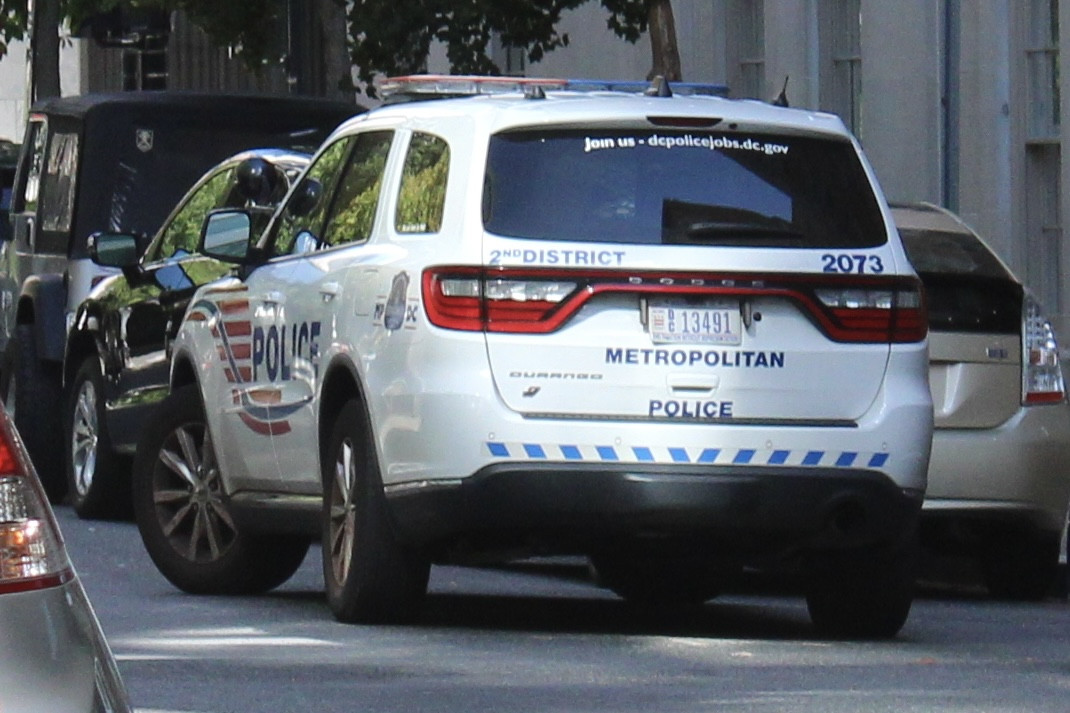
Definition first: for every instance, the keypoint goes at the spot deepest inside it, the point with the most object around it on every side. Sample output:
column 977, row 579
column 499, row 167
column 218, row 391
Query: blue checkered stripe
column 678, row 455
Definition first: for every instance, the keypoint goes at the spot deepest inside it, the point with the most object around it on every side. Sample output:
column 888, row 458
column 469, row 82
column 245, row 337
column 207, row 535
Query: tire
column 863, row 594
column 1020, row 567
column 32, row 389
column 369, row 575
column 98, row 479
column 662, row 581
column 182, row 510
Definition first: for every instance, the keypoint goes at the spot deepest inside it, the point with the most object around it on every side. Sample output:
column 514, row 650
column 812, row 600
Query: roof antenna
column 782, row 98
column 659, row 87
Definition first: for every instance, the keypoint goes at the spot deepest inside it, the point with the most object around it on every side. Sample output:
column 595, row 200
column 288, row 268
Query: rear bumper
column 1016, row 474
column 744, row 512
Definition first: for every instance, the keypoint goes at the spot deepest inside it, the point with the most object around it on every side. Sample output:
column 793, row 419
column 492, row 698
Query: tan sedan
column 999, row 477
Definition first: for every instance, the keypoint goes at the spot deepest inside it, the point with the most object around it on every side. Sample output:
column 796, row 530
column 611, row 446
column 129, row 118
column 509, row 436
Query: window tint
column 300, row 217
column 422, row 196
column 950, row 253
column 692, row 188
column 181, row 234
column 59, row 182
column 353, row 210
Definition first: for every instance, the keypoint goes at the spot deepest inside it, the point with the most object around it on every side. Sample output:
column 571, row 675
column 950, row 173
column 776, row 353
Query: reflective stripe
column 678, row 454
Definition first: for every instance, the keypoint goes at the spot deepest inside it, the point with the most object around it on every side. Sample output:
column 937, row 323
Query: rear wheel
column 862, row 593
column 98, row 478
column 183, row 515
column 32, row 390
column 370, row 575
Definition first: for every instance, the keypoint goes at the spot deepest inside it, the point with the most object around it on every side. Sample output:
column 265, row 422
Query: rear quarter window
column 691, row 188
column 422, row 195
column 59, row 182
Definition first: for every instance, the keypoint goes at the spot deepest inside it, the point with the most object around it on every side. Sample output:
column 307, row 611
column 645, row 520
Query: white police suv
column 676, row 334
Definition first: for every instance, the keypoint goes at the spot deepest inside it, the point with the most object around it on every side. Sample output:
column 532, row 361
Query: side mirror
column 226, row 235
column 114, row 249
column 305, row 197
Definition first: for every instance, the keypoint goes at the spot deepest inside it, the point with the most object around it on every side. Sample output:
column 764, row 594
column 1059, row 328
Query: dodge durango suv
column 674, row 333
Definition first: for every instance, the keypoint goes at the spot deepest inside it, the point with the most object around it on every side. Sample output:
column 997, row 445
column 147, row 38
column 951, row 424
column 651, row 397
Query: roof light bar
column 432, row 85
column 429, row 86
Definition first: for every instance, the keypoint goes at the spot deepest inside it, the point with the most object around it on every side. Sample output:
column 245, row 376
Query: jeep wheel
column 861, row 594
column 370, row 576
column 182, row 510
column 31, row 390
column 98, row 479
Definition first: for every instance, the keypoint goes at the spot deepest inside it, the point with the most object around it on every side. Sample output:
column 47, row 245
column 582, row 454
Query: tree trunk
column 663, row 47
column 45, row 49
column 331, row 18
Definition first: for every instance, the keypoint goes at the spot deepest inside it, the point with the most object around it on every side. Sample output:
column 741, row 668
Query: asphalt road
column 540, row 638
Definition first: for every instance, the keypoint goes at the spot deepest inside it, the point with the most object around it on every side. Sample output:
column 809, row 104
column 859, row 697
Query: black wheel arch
column 81, row 344
column 183, row 372
column 42, row 302
column 340, row 384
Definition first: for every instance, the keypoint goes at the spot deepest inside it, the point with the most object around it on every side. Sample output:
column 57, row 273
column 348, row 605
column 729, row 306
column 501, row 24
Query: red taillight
column 32, row 555
column 890, row 312
column 472, row 299
column 538, row 301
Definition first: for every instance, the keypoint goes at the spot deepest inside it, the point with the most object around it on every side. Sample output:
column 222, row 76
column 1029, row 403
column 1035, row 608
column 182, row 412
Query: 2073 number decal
column 848, row 263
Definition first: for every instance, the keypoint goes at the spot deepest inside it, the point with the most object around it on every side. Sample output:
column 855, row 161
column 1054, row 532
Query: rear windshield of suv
column 690, row 188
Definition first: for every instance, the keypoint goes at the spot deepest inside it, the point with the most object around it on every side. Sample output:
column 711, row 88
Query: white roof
column 503, row 111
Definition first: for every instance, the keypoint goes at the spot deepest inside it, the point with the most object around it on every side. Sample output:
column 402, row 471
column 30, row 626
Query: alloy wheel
column 343, row 514
column 85, row 430
column 188, row 495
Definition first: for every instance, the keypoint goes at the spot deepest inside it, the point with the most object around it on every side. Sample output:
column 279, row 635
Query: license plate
column 711, row 323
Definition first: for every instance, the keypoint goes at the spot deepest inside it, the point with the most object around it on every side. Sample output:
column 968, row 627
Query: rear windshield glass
column 967, row 289
column 693, row 188
column 950, row 253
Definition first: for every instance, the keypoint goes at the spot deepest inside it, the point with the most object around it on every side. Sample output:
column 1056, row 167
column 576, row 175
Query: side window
column 302, row 216
column 353, row 210
column 26, row 198
column 59, row 182
column 180, row 236
column 422, row 196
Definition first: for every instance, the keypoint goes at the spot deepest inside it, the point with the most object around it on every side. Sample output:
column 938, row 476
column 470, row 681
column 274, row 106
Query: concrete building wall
column 13, row 77
column 986, row 164
column 901, row 107
column 790, row 51
column 594, row 51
